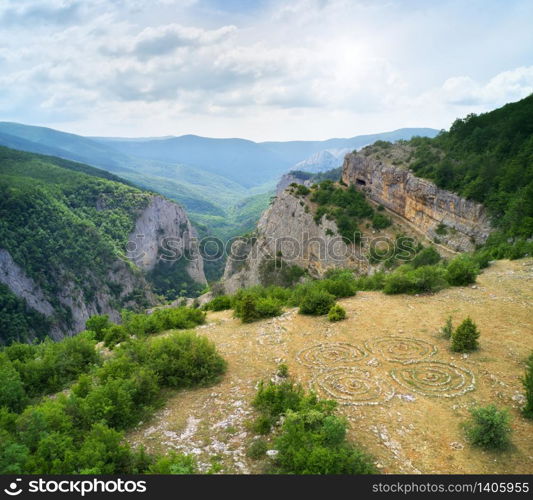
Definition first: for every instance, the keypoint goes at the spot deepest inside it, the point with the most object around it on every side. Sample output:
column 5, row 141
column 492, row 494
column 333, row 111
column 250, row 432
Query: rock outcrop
column 163, row 232
column 287, row 231
column 120, row 282
column 292, row 178
column 442, row 216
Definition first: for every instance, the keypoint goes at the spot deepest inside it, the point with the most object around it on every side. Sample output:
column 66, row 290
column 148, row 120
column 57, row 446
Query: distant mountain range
column 223, row 183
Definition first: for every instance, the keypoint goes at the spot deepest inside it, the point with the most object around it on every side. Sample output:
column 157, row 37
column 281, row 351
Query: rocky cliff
column 288, row 233
column 442, row 216
column 71, row 306
column 163, row 232
column 292, row 178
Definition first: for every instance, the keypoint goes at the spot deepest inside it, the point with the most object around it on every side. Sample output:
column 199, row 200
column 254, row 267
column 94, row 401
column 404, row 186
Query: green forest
column 488, row 158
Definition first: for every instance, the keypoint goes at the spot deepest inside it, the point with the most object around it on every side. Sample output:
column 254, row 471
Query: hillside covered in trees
column 487, row 158
column 61, row 222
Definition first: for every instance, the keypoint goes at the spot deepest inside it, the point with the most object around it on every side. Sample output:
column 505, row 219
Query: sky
column 261, row 70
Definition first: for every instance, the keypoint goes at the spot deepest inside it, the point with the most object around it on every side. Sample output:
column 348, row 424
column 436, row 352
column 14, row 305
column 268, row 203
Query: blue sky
column 264, row 70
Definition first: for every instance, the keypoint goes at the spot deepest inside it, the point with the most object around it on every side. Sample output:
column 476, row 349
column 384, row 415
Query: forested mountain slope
column 64, row 228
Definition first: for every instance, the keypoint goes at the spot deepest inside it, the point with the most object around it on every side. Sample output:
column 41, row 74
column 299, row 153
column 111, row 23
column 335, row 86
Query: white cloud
column 304, row 69
column 504, row 87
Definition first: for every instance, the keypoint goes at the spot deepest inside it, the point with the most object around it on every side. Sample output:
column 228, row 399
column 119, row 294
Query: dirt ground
column 403, row 392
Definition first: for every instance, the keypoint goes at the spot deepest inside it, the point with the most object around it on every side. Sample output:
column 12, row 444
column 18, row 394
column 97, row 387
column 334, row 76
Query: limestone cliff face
column 287, row 231
column 163, row 231
column 120, row 281
column 443, row 216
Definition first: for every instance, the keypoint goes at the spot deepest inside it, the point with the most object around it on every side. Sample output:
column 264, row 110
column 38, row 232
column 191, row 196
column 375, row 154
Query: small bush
column 174, row 463
column 340, row 287
column 380, row 221
column 263, row 424
column 220, row 303
column 462, row 271
column 302, row 190
column 375, row 281
column 246, row 309
column 447, row 329
column 257, row 303
column 426, row 257
column 489, row 428
column 464, row 338
column 425, row 279
column 317, row 302
column 267, row 307
column 185, row 359
column 257, row 449
column 114, row 335
column 314, row 442
column 98, row 325
column 283, row 370
column 336, row 313
column 527, row 381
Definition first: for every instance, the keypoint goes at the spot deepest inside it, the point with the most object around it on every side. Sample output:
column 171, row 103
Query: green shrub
column 336, row 313
column 179, row 318
column 257, row 449
column 244, row 306
column 426, row 257
column 489, row 428
column 341, row 287
column 258, row 302
column 185, row 359
column 317, row 302
column 263, row 424
column 103, row 452
column 274, row 400
column 114, row 335
column 220, row 303
column 464, row 338
column 447, row 329
column 98, row 324
column 425, row 279
column 47, row 367
column 302, row 190
column 527, row 381
column 375, row 281
column 380, row 221
column 267, row 307
column 283, row 370
column 462, row 271
column 314, row 442
column 12, row 392
column 174, row 463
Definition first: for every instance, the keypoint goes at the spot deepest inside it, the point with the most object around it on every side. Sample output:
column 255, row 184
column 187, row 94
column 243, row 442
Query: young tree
column 464, row 338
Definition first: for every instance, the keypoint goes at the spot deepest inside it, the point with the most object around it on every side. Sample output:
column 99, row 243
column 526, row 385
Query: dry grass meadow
column 404, row 393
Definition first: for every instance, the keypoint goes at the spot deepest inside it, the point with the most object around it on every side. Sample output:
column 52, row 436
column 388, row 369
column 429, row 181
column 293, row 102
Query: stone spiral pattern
column 330, row 354
column 435, row 378
column 337, row 378
column 401, row 349
column 351, row 386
